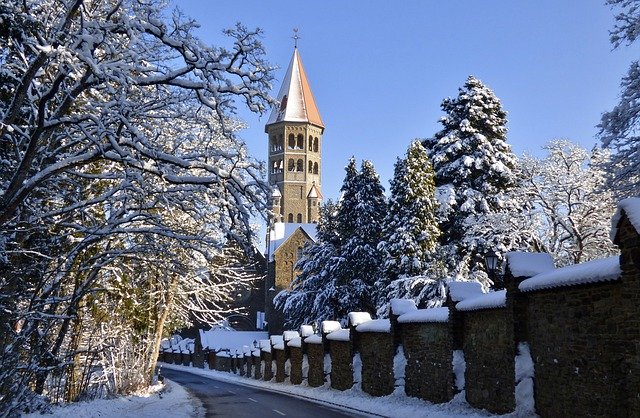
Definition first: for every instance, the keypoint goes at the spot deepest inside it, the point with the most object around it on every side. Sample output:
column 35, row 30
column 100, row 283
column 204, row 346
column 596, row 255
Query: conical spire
column 296, row 100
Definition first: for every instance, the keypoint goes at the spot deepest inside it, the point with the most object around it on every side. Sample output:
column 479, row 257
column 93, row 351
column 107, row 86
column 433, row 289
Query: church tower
column 295, row 131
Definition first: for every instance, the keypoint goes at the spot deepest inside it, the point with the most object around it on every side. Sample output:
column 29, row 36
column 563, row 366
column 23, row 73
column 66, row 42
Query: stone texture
column 296, row 365
column 489, row 351
column 315, row 355
column 211, row 360
column 257, row 367
column 223, row 364
column 281, row 359
column 185, row 359
column 341, row 364
column 376, row 353
column 268, row 365
column 198, row 359
column 428, row 348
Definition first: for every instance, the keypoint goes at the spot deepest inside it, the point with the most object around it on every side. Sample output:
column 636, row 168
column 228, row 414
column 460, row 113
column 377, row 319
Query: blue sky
column 379, row 69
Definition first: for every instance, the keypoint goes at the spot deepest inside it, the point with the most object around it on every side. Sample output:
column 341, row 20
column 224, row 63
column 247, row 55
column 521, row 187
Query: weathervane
column 295, row 37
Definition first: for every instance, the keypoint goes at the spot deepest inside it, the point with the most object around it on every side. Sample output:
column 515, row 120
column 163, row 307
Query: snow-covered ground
column 168, row 400
column 395, row 405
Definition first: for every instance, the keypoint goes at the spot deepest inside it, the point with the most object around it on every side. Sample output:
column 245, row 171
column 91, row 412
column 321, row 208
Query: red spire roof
column 296, row 100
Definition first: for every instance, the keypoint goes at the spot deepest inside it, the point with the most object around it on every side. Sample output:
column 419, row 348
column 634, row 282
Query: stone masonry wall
column 376, row 353
column 315, row 355
column 489, row 351
column 281, row 358
column 257, row 367
column 578, row 343
column 428, row 348
column 268, row 365
column 341, row 364
column 296, row 365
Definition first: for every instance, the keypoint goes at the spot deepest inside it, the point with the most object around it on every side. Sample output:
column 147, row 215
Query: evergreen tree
column 474, row 169
column 410, row 229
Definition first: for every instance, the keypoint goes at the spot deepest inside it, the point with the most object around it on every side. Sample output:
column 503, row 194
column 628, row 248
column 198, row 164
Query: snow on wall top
column 279, row 346
column 289, row 335
column 375, row 325
column 306, row 330
column 402, row 306
column 523, row 264
column 425, row 315
column 313, row 339
column 295, row 342
column 339, row 335
column 296, row 100
column 489, row 300
column 276, row 339
column 630, row 206
column 220, row 339
column 459, row 291
column 357, row 318
column 280, row 233
column 605, row 269
column 330, row 326
column 265, row 343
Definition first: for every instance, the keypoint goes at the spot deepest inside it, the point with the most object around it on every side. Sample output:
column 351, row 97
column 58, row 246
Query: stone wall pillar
column 281, row 359
column 257, row 364
column 376, row 354
column 296, row 358
column 341, row 364
column 315, row 355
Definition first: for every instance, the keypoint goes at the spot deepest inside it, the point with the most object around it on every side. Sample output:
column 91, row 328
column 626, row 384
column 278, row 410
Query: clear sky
column 379, row 69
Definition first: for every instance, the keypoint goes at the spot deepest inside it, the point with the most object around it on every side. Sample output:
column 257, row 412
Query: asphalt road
column 223, row 399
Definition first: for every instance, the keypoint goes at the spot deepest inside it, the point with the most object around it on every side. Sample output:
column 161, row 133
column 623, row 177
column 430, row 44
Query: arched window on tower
column 300, row 165
column 315, row 168
column 310, row 143
column 299, row 218
column 291, row 165
column 292, row 141
column 315, row 144
column 300, row 143
column 310, row 167
column 290, row 218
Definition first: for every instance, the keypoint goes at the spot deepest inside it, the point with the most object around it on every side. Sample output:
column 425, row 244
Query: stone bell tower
column 295, row 149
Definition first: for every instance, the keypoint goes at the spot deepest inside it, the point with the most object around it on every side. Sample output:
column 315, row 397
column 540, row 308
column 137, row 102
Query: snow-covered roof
column 402, row 306
column 281, row 231
column 288, row 335
column 357, row 318
column 459, row 291
column 313, row 339
column 489, row 300
column 605, row 269
column 220, row 339
column 630, row 206
column 330, row 326
column 375, row 325
column 295, row 342
column 425, row 315
column 339, row 335
column 306, row 330
column 524, row 264
column 296, row 100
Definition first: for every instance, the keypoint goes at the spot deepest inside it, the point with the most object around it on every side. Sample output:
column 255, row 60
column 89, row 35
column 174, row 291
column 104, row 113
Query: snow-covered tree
column 619, row 126
column 120, row 170
column 571, row 213
column 338, row 272
column 410, row 229
column 474, row 169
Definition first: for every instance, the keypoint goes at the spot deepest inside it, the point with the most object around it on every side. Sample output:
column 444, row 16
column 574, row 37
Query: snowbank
column 523, row 264
column 313, row 339
column 306, row 330
column 605, row 269
column 375, row 325
column 425, row 315
column 289, row 335
column 490, row 300
column 330, row 326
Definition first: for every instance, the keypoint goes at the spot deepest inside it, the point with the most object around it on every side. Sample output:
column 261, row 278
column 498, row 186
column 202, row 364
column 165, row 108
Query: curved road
column 223, row 399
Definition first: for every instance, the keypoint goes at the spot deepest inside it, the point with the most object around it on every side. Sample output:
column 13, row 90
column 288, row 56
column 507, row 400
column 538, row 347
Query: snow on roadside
column 395, row 405
column 156, row 402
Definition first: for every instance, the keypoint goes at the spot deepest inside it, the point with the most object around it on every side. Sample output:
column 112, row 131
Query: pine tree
column 410, row 230
column 474, row 169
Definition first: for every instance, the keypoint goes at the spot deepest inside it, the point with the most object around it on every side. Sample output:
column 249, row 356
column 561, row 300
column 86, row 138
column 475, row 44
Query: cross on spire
column 295, row 37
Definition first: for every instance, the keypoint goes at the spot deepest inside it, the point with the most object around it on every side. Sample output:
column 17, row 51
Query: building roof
column 296, row 100
column 281, row 232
